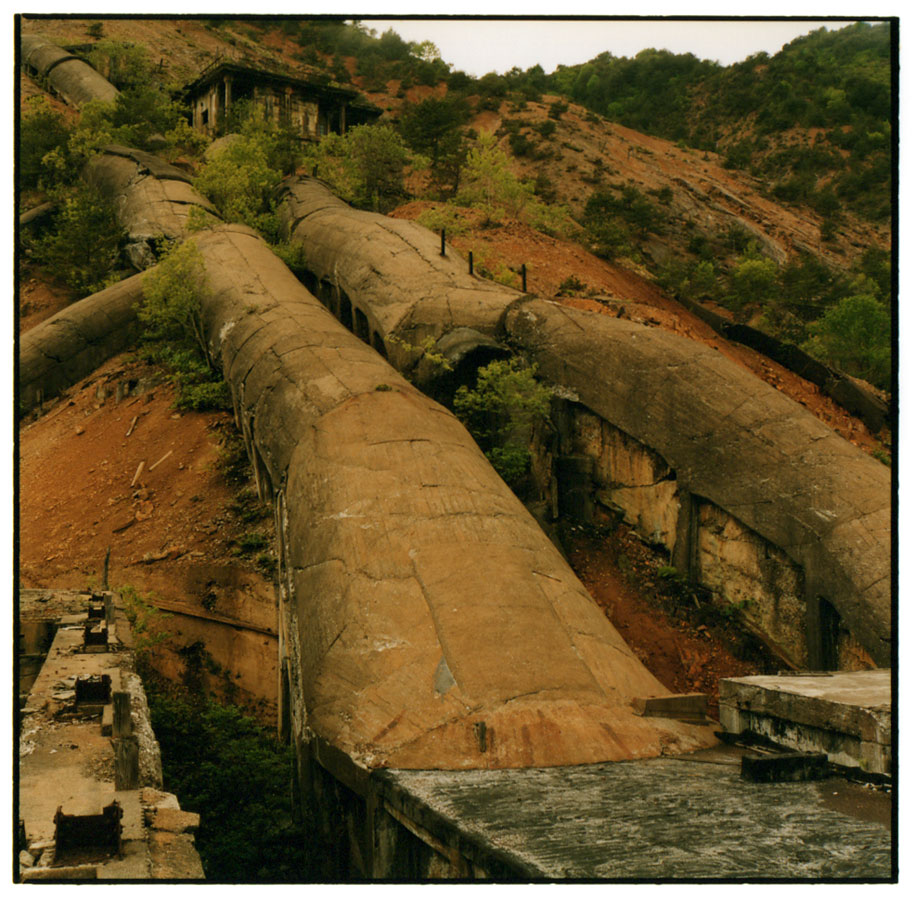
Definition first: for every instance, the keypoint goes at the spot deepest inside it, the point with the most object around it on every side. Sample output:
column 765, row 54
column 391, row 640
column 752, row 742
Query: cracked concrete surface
column 731, row 438
column 403, row 548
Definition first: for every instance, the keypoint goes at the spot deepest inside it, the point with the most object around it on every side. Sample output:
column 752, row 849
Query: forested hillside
column 762, row 189
column 814, row 121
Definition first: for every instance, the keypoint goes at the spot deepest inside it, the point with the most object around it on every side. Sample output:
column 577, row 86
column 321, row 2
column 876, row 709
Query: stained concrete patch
column 653, row 819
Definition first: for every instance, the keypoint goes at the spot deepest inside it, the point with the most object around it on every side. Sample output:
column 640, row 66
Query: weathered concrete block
column 176, row 820
column 691, row 707
column 847, row 715
column 174, row 856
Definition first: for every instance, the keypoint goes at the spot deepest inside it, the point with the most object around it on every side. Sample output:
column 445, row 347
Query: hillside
column 675, row 207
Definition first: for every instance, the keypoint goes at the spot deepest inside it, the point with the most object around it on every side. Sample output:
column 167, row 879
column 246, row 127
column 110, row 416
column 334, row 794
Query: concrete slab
column 685, row 818
column 847, row 715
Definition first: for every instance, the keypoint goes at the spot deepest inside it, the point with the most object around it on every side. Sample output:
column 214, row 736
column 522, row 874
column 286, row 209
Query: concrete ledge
column 177, row 821
column 847, row 715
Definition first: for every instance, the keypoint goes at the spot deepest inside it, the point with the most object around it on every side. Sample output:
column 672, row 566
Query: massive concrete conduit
column 723, row 436
column 426, row 621
column 67, row 75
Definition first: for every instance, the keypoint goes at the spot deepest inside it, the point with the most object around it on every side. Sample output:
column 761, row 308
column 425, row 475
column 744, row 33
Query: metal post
column 470, row 260
column 443, row 242
column 524, row 277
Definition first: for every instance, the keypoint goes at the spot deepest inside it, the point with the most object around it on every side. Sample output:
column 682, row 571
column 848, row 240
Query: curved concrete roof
column 75, row 80
column 438, row 626
column 731, row 437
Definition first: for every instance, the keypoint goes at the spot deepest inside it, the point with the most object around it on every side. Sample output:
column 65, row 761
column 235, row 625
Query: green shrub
column 488, row 184
column 125, row 65
column 142, row 111
column 365, row 166
column 240, row 181
column 444, row 216
column 572, row 285
column 173, row 294
column 546, row 128
column 880, row 454
column 754, row 281
column 236, row 775
column 83, row 247
column 172, row 314
column 145, row 622
column 855, row 337
column 41, row 130
column 252, row 542
column 500, row 412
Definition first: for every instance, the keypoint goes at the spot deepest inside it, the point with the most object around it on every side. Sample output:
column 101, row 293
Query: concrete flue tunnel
column 754, row 453
column 385, row 496
column 67, row 75
column 399, row 547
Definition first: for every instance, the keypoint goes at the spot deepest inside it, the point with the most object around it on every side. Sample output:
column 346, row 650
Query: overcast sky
column 478, row 46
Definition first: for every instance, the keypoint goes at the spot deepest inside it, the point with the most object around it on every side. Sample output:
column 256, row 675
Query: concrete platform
column 688, row 818
column 67, row 762
column 847, row 715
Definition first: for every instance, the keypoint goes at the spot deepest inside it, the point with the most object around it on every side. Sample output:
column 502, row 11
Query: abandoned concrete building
column 309, row 108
